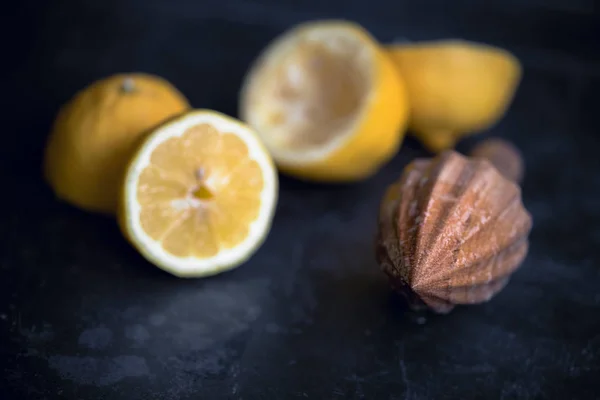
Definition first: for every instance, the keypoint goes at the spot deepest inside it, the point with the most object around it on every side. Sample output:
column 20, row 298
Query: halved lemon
column 327, row 102
column 199, row 195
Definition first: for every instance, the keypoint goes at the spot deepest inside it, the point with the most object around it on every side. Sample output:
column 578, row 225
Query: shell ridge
column 427, row 184
column 515, row 253
column 480, row 293
column 481, row 228
column 485, row 254
column 410, row 183
column 468, row 294
column 514, row 205
column 437, row 237
column 513, row 249
column 387, row 243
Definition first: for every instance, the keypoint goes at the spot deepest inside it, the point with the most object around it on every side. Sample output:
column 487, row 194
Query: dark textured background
column 83, row 316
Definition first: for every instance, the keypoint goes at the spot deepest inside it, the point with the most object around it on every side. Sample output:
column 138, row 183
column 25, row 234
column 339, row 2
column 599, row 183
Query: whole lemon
column 96, row 132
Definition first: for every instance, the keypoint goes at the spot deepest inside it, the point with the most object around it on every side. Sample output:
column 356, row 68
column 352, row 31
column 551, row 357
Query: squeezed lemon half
column 327, row 102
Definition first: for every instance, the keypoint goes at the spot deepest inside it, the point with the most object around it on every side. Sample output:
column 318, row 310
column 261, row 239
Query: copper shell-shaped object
column 451, row 231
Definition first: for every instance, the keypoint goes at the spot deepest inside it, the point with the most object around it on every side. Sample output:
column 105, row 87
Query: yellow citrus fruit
column 327, row 102
column 456, row 88
column 199, row 195
column 96, row 132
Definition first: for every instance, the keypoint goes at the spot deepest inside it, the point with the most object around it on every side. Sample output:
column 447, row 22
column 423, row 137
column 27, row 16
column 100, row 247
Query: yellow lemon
column 456, row 88
column 199, row 195
column 327, row 102
column 96, row 132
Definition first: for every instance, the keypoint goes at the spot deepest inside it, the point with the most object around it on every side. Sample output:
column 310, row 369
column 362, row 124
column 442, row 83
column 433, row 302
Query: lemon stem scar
column 128, row 85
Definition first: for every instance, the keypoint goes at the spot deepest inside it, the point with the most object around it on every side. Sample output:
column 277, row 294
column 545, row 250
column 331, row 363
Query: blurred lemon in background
column 456, row 88
column 95, row 134
column 327, row 102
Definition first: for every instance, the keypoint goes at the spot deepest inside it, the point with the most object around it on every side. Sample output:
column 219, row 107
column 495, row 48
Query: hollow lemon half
column 199, row 195
column 327, row 102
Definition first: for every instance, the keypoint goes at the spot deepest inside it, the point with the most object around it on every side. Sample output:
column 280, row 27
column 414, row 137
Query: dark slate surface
column 83, row 316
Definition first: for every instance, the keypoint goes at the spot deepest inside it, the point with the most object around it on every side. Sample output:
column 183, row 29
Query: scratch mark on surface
column 404, row 374
column 405, row 379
